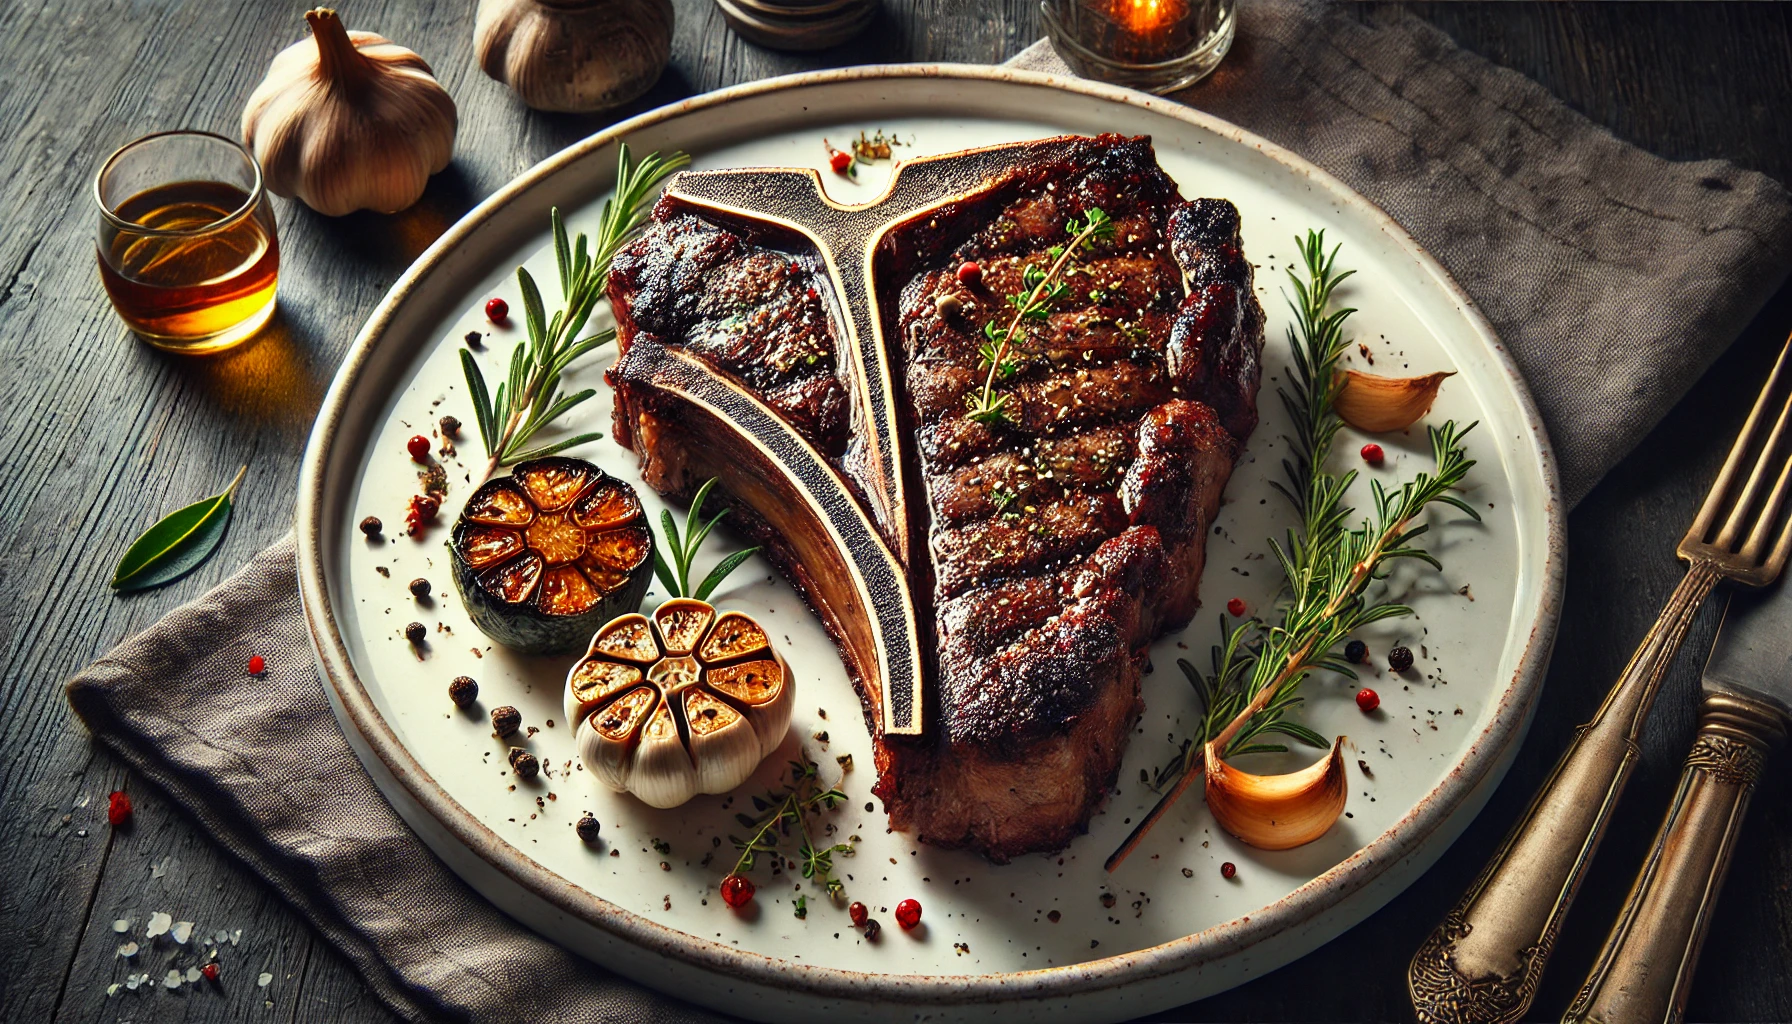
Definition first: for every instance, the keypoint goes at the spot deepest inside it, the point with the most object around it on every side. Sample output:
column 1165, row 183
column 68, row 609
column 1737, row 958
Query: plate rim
column 1486, row 752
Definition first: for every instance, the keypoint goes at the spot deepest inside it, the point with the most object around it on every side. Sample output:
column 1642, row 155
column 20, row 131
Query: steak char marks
column 1050, row 549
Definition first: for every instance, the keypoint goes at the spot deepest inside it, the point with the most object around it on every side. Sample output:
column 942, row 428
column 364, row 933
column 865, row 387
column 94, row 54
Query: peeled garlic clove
column 1380, row 404
column 574, row 55
column 349, row 121
column 1277, row 812
column 662, row 773
column 723, row 744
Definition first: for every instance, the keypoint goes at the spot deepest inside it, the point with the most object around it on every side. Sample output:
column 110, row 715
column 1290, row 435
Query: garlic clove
column 607, row 738
column 349, row 121
column 682, row 622
column 592, row 683
column 762, row 690
column 723, row 743
column 627, row 638
column 734, row 636
column 1379, row 404
column 1277, row 812
column 661, row 771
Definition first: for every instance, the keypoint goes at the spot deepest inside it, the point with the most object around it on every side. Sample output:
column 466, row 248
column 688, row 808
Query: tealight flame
column 1143, row 17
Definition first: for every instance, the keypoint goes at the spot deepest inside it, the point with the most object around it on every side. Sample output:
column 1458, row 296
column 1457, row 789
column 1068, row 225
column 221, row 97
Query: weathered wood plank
column 102, row 434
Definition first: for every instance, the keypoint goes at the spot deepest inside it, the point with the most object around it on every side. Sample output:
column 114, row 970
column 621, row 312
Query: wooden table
column 102, row 434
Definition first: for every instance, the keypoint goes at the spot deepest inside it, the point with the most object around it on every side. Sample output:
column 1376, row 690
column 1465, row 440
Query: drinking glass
column 187, row 247
column 1155, row 45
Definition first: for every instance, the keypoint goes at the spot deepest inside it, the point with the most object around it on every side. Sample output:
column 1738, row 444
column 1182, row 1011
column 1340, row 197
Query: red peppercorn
column 257, row 664
column 1367, row 699
column 908, row 914
column 857, row 914
column 418, row 446
column 1372, row 454
column 737, row 891
column 118, row 807
column 423, row 510
column 841, row 161
column 1235, row 607
column 1228, row 869
column 211, row 972
column 497, row 310
column 969, row 272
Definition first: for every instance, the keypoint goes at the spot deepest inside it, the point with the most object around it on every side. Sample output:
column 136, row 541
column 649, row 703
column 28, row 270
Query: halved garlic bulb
column 1378, row 404
column 687, row 702
column 1277, row 812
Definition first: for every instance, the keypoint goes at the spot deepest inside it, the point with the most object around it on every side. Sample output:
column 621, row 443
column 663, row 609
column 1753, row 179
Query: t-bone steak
column 821, row 360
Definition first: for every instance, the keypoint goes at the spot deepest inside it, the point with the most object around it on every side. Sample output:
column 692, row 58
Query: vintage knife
column 1644, row 970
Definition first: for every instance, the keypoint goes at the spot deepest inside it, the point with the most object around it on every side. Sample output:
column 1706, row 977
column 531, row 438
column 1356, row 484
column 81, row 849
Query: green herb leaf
column 178, row 543
column 721, row 571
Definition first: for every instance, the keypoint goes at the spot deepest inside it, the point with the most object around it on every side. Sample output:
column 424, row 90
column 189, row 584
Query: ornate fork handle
column 1482, row 964
column 1644, row 970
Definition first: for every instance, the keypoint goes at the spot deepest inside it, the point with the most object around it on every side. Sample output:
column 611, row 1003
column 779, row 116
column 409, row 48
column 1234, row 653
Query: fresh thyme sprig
column 1327, row 564
column 780, row 812
column 529, row 398
column 675, row 575
column 1042, row 288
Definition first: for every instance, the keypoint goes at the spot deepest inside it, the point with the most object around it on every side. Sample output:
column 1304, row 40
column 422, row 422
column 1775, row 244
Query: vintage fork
column 1482, row 964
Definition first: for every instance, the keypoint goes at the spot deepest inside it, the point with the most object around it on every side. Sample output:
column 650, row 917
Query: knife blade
column 1752, row 655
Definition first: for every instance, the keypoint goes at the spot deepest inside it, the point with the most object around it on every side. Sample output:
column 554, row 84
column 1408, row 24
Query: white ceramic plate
column 997, row 942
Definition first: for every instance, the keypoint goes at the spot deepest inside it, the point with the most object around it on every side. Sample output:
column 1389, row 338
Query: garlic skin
column 1277, row 812
column 577, row 56
column 687, row 702
column 1378, row 405
column 348, row 121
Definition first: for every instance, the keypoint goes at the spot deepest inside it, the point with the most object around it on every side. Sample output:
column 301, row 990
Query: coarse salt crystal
column 236, row 936
column 158, row 924
column 182, row 931
column 173, row 979
column 262, row 980
column 132, row 982
column 128, row 949
column 160, row 868
column 192, row 974
column 111, row 990
column 122, row 925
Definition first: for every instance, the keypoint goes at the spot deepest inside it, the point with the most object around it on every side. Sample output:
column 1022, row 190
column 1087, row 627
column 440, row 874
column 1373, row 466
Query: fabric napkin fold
column 1614, row 277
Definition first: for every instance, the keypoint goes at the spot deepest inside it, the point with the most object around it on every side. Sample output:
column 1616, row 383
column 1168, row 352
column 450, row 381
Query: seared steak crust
column 1058, row 544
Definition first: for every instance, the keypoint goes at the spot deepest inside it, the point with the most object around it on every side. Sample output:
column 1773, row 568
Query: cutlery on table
column 1644, row 970
column 1482, row 964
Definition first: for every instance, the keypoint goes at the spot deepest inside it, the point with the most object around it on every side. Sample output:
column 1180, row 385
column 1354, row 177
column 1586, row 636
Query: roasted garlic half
column 687, row 702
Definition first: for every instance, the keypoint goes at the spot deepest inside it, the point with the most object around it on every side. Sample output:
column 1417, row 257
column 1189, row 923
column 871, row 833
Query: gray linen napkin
column 1614, row 276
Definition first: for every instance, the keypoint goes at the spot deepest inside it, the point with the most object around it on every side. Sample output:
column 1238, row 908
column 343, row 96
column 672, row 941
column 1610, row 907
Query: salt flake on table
column 173, row 978
column 133, row 981
column 262, row 979
column 129, row 949
column 182, row 931
column 111, row 990
column 122, row 925
column 158, row 925
column 160, row 868
column 236, row 936
column 192, row 974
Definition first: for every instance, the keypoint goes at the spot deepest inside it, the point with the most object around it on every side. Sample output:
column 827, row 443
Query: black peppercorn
column 450, row 426
column 1356, row 652
column 1400, row 659
column 415, row 632
column 372, row 526
column 587, row 828
column 524, row 763
column 872, row 928
column 419, row 588
column 474, row 338
column 463, row 691
column 506, row 720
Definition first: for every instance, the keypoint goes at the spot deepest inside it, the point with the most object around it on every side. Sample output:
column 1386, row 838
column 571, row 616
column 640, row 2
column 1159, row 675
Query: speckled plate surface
column 1045, row 933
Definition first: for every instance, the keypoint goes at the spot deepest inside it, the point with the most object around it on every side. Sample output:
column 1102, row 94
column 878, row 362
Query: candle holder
column 1155, row 45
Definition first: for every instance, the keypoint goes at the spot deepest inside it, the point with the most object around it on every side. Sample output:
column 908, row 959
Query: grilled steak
column 1047, row 551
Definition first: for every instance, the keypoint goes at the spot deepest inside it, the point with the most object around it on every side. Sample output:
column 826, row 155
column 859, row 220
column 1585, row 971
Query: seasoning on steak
column 1057, row 544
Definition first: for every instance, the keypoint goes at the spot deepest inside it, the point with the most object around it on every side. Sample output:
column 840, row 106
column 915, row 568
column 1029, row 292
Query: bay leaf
column 178, row 543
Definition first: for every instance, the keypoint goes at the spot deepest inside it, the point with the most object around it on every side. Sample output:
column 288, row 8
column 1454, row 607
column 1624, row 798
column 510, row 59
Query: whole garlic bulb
column 574, row 55
column 687, row 702
column 349, row 121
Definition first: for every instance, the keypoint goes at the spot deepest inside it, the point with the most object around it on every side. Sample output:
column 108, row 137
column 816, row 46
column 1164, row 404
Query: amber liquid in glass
column 189, row 288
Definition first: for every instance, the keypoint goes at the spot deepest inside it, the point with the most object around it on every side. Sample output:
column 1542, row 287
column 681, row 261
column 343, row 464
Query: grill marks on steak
column 1057, row 545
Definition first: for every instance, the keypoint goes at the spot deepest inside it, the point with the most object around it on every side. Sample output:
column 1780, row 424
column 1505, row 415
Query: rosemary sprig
column 780, row 812
column 529, row 398
column 675, row 576
column 1327, row 564
column 1043, row 287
